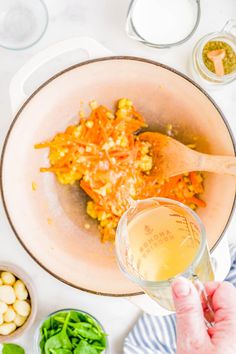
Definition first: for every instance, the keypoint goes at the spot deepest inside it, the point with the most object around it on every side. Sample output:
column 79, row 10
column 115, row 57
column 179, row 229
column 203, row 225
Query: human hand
column 193, row 337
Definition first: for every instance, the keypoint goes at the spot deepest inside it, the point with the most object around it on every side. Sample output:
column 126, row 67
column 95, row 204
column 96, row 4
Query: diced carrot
column 197, row 201
column 93, row 195
column 55, row 169
column 42, row 145
column 193, row 179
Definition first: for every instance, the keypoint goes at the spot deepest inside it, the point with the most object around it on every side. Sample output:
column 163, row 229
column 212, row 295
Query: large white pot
column 63, row 247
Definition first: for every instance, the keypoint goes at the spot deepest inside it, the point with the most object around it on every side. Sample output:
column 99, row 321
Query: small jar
column 201, row 72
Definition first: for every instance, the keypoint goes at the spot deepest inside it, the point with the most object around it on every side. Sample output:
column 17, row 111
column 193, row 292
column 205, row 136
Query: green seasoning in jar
column 229, row 60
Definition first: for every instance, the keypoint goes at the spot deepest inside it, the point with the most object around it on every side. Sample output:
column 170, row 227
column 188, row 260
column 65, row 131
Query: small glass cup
column 134, row 32
column 37, row 336
column 22, row 23
column 200, row 72
column 184, row 221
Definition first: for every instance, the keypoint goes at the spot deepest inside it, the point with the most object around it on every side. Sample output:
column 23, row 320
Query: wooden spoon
column 172, row 158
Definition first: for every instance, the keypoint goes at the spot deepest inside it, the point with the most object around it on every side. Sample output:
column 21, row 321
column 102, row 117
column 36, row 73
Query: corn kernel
column 192, row 206
column 34, row 186
column 77, row 131
column 145, row 163
column 110, row 115
column 81, row 113
column 191, row 146
column 187, row 193
column 124, row 141
column 93, row 104
column 124, row 102
column 49, row 221
column 91, row 210
column 145, row 147
column 88, row 149
column 89, row 124
column 109, row 144
column 102, row 215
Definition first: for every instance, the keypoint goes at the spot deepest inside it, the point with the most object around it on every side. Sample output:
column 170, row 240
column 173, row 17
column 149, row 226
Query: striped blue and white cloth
column 157, row 335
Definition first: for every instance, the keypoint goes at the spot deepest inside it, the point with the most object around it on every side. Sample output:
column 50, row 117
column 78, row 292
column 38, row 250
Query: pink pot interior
column 50, row 221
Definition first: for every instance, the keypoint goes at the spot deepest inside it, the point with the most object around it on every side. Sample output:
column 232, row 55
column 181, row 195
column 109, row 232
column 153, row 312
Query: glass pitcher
column 159, row 239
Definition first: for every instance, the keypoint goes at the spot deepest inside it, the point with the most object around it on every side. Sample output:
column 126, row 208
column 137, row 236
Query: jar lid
column 163, row 23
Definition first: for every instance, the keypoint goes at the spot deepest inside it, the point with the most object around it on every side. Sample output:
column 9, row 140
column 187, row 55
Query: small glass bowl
column 134, row 33
column 37, row 333
column 20, row 274
column 200, row 72
column 22, row 23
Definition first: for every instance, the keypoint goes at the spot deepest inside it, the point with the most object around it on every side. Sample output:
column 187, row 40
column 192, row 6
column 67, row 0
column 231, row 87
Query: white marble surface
column 103, row 20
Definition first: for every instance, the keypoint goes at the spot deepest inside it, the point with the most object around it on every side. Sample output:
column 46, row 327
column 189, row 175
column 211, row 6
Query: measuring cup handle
column 205, row 301
column 229, row 26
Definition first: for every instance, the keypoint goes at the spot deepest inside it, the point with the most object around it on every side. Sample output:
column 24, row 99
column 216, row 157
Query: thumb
column 191, row 329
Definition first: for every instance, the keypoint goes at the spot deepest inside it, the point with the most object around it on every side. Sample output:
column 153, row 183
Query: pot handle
column 92, row 48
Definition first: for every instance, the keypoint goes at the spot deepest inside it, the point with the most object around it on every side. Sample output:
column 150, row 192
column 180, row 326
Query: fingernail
column 181, row 287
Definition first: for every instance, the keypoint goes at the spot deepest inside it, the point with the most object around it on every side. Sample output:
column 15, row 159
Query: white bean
column 10, row 315
column 20, row 290
column 19, row 320
column 7, row 294
column 3, row 307
column 22, row 307
column 7, row 328
column 8, row 278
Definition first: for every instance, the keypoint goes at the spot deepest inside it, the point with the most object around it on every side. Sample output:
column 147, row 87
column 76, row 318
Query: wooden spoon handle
column 219, row 67
column 225, row 165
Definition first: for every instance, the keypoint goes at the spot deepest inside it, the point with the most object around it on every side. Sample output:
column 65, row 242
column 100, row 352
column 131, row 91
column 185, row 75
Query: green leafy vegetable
column 59, row 340
column 9, row 348
column 71, row 332
column 60, row 351
column 85, row 348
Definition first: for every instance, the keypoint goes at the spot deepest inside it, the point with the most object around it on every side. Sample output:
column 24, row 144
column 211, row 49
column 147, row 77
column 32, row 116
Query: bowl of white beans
column 17, row 302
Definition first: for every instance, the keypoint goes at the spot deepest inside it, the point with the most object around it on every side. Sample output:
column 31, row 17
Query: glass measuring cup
column 200, row 72
column 159, row 239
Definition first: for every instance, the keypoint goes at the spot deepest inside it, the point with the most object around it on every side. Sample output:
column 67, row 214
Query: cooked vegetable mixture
column 71, row 332
column 112, row 165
